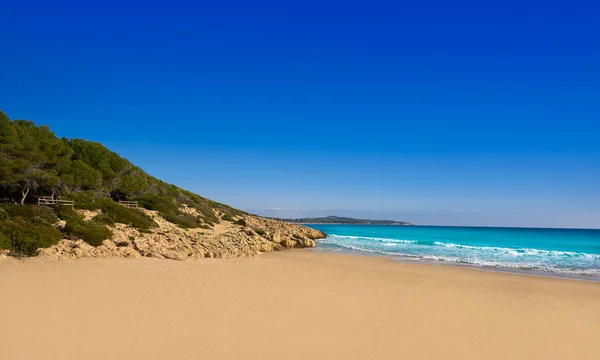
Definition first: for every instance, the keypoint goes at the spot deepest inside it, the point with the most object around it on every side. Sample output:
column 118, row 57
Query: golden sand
column 297, row 304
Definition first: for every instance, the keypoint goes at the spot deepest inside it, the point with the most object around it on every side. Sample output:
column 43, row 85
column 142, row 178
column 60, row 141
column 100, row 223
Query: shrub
column 184, row 220
column 3, row 214
column 207, row 212
column 91, row 232
column 25, row 237
column 261, row 232
column 226, row 209
column 159, row 203
column 65, row 213
column 115, row 213
column 5, row 242
column 168, row 208
column 241, row 222
column 105, row 219
column 86, row 200
column 227, row 217
column 31, row 212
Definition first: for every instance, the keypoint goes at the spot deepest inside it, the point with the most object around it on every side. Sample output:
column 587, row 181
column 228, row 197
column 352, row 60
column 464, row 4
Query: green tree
column 78, row 175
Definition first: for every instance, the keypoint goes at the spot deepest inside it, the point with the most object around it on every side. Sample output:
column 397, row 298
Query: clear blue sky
column 437, row 112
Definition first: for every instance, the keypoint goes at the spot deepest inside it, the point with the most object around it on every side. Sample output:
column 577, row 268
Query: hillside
column 344, row 220
column 35, row 163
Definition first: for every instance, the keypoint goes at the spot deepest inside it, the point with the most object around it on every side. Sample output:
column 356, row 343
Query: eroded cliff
column 169, row 241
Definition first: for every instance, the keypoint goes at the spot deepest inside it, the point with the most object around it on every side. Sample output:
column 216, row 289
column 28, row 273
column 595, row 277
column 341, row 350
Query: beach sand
column 298, row 304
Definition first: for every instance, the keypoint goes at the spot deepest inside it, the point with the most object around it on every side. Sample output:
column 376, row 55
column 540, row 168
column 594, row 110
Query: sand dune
column 290, row 305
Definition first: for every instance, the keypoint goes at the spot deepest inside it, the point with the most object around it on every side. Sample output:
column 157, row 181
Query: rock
column 168, row 241
column 276, row 237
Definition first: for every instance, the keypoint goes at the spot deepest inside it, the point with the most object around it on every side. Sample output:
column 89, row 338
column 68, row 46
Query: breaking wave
column 526, row 259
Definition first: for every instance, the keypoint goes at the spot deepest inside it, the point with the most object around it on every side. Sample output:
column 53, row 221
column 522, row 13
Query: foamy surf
column 535, row 250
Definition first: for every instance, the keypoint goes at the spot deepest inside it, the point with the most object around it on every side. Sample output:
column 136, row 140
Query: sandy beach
column 290, row 305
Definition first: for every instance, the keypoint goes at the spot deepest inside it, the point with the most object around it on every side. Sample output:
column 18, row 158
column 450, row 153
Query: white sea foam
column 565, row 262
column 521, row 251
column 351, row 237
column 358, row 248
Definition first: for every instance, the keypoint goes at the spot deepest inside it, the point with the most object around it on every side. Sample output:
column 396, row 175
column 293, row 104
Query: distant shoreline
column 325, row 223
column 340, row 220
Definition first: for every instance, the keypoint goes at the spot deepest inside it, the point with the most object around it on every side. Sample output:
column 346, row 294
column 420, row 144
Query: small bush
column 261, row 232
column 3, row 214
column 25, row 237
column 241, row 222
column 226, row 209
column 168, row 208
column 31, row 212
column 66, row 213
column 186, row 221
column 92, row 232
column 208, row 214
column 115, row 213
column 227, row 217
column 5, row 242
column 163, row 204
column 105, row 219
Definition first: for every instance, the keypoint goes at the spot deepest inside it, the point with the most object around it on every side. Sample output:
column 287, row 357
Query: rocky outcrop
column 68, row 249
column 169, row 241
column 285, row 234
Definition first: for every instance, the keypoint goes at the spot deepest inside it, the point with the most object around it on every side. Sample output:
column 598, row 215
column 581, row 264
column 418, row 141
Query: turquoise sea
column 570, row 252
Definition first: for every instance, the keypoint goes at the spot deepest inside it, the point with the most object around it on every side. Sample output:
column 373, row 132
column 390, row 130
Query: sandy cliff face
column 168, row 241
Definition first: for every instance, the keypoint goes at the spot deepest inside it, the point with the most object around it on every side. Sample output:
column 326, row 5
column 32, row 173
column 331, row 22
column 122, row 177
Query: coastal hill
column 344, row 220
column 103, row 205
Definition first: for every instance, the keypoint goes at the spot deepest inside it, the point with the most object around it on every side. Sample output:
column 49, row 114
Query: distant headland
column 345, row 220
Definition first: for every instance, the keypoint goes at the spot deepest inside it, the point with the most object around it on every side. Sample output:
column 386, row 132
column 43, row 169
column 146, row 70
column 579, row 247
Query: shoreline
column 563, row 253
column 350, row 224
column 492, row 269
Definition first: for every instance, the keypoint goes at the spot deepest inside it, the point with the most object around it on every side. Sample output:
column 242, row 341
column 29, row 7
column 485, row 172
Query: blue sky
column 436, row 112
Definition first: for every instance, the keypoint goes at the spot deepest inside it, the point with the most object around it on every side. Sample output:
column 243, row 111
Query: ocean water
column 570, row 252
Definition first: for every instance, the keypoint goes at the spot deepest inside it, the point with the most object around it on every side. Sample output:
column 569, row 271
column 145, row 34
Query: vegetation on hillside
column 35, row 162
column 24, row 229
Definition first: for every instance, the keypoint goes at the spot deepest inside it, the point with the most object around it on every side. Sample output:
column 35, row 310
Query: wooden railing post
column 47, row 200
column 128, row 204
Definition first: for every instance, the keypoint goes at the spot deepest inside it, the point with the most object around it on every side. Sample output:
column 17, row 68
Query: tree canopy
column 35, row 162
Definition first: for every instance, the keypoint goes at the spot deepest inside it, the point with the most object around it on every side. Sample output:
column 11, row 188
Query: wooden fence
column 49, row 200
column 129, row 204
